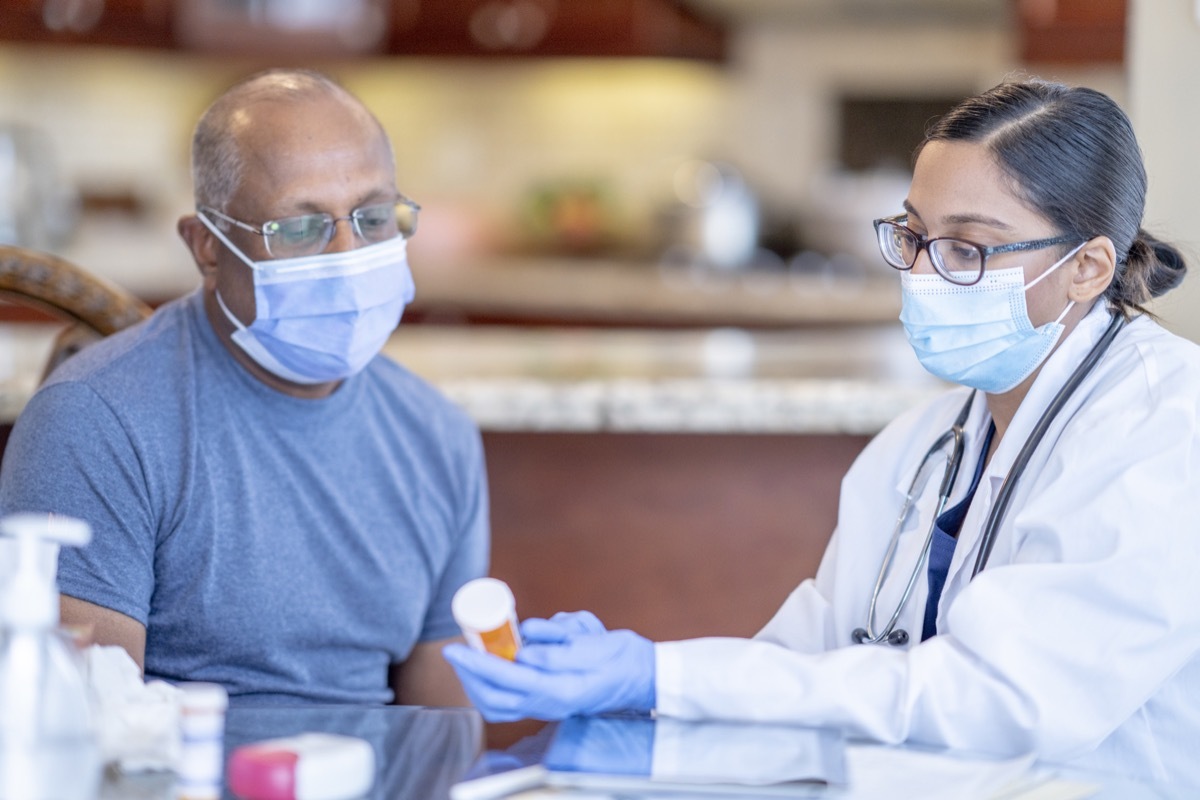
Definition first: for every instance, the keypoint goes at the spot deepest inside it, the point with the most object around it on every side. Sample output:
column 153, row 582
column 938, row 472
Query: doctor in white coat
column 1024, row 272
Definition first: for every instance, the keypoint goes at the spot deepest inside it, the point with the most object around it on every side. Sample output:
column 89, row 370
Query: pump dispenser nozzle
column 47, row 743
column 29, row 565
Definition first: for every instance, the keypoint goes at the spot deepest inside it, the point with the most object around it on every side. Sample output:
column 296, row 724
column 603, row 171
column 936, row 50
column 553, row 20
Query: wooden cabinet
column 554, row 28
column 473, row 28
column 674, row 535
column 1072, row 31
column 123, row 23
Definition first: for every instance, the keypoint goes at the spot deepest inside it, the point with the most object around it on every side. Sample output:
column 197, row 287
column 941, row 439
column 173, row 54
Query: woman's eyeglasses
column 309, row 234
column 957, row 260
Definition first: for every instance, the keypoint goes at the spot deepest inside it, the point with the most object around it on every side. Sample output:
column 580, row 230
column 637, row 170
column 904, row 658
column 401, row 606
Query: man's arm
column 427, row 679
column 105, row 626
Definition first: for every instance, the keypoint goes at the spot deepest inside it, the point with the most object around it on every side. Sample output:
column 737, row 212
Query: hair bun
column 1164, row 264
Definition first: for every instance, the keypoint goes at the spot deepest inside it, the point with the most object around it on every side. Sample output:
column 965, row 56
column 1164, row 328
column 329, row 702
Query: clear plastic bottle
column 48, row 747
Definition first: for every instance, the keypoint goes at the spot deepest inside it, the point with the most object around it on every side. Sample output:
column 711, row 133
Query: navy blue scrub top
column 945, row 536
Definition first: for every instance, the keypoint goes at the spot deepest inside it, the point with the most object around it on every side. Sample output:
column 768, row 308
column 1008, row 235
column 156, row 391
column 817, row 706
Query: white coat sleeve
column 1050, row 649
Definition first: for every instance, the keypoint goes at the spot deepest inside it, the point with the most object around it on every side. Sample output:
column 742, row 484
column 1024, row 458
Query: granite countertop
column 851, row 379
column 847, row 380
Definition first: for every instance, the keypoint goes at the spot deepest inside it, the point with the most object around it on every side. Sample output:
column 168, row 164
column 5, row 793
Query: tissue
column 137, row 722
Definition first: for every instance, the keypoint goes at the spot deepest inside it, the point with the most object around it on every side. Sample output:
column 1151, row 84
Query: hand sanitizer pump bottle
column 47, row 742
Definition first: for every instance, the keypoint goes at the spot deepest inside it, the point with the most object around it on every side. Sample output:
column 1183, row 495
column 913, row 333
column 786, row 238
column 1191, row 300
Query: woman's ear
column 202, row 245
column 1096, row 264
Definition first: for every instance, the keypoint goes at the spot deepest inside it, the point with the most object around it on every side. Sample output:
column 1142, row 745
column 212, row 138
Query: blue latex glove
column 568, row 665
column 610, row 745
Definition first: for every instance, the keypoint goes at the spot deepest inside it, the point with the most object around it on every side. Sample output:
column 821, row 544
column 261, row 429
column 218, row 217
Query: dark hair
column 1072, row 155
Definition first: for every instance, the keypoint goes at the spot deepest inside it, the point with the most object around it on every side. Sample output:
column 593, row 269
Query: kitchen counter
column 628, row 293
column 844, row 380
column 148, row 259
column 849, row 380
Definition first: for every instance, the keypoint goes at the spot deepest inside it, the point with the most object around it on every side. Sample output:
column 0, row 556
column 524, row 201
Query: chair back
column 94, row 306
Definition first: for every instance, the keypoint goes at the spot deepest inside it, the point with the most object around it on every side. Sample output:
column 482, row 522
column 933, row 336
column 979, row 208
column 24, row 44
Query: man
column 275, row 507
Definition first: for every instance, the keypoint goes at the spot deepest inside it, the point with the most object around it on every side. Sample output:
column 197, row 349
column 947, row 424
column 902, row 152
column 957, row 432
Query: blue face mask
column 323, row 317
column 980, row 335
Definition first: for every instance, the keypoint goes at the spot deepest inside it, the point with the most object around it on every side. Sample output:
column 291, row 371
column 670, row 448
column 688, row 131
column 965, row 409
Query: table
column 422, row 752
column 419, row 752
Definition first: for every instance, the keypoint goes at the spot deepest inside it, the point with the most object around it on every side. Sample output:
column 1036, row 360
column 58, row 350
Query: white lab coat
column 1079, row 641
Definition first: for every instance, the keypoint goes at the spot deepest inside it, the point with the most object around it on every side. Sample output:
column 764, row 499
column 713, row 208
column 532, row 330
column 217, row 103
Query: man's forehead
column 299, row 155
column 296, row 121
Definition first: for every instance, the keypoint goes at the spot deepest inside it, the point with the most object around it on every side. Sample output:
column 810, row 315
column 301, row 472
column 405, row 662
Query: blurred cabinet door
column 674, row 535
column 1072, row 31
column 122, row 23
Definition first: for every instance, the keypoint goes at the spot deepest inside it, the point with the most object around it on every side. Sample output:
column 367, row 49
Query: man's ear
column 202, row 245
column 1096, row 264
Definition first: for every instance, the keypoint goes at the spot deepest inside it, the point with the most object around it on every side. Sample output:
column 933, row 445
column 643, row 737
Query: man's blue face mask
column 979, row 335
column 322, row 318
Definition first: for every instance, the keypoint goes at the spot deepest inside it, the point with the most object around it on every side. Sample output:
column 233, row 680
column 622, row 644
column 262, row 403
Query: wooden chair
column 95, row 307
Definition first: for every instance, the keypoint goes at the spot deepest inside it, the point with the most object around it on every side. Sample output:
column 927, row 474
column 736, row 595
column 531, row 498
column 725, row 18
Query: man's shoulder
column 140, row 352
column 410, row 391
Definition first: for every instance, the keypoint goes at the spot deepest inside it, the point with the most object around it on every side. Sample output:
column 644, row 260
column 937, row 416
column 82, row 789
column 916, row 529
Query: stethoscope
column 953, row 438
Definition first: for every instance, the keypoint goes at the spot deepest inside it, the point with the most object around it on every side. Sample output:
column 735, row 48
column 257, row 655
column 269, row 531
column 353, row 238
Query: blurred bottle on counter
column 713, row 219
column 48, row 748
column 38, row 209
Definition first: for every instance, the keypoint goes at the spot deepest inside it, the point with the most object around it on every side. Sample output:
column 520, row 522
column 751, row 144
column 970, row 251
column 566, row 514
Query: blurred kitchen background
column 704, row 142
column 642, row 218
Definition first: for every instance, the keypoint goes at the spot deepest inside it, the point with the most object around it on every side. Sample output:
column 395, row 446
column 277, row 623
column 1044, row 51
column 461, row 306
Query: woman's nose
column 923, row 266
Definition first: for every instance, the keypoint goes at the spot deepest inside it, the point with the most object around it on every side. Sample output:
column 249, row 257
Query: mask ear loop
column 237, row 323
column 1056, row 265
column 233, row 248
column 1070, row 305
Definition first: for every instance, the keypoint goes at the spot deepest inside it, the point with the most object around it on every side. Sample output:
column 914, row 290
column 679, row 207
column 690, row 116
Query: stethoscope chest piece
column 896, row 638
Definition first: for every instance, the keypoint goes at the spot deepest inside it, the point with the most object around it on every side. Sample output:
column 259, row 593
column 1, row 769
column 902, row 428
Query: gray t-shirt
column 289, row 549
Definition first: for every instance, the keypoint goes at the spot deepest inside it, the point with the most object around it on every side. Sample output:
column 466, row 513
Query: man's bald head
column 217, row 158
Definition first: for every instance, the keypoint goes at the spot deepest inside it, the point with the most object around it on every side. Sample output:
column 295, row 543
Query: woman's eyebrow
column 963, row 219
column 980, row 219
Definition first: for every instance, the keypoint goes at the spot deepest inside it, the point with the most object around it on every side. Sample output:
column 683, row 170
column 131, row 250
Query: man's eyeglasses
column 958, row 261
column 309, row 234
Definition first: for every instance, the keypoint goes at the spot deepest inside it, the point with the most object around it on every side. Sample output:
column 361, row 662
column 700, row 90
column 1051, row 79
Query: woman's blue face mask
column 322, row 318
column 979, row 335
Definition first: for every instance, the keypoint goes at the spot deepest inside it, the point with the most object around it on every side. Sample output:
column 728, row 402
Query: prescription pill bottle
column 487, row 613
column 201, row 741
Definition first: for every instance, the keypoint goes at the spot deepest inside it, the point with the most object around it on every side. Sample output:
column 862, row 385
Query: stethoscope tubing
column 955, row 437
column 998, row 510
column 987, row 539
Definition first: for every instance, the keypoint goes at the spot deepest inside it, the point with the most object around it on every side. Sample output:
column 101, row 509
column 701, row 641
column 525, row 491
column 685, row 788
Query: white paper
column 137, row 723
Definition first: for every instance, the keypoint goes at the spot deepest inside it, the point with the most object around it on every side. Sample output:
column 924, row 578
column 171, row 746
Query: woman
column 1021, row 254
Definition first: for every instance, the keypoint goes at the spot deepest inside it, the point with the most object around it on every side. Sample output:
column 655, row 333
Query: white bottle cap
column 483, row 604
column 200, row 696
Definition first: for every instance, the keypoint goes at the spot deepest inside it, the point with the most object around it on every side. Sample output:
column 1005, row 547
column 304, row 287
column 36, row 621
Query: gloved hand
column 611, row 745
column 569, row 665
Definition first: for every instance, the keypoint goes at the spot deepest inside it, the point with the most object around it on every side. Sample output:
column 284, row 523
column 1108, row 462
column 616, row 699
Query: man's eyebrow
column 310, row 207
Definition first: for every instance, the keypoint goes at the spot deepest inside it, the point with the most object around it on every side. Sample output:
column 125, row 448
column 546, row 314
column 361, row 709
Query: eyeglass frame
column 261, row 230
column 923, row 243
